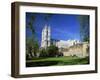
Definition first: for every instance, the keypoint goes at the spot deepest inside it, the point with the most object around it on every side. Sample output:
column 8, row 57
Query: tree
column 31, row 43
column 84, row 27
column 35, row 48
column 32, row 48
column 30, row 25
column 43, row 53
column 52, row 51
column 29, row 47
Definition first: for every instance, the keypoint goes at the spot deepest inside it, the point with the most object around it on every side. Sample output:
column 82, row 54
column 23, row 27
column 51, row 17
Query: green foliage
column 35, row 48
column 30, row 25
column 32, row 48
column 52, row 50
column 43, row 53
column 29, row 46
column 84, row 27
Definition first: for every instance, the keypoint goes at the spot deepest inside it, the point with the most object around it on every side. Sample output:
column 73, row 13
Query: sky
column 63, row 26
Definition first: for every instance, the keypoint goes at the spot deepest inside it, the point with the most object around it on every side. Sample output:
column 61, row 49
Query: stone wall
column 80, row 50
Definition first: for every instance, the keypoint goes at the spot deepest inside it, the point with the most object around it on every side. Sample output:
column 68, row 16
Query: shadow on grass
column 41, row 63
column 39, row 58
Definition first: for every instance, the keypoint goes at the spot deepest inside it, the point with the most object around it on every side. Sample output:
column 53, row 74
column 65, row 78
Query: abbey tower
column 46, row 36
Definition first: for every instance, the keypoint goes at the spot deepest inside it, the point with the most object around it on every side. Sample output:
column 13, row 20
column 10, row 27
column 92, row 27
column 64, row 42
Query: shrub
column 43, row 53
column 52, row 51
column 60, row 54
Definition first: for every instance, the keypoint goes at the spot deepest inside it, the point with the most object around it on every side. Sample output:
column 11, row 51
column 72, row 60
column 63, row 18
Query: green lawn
column 56, row 61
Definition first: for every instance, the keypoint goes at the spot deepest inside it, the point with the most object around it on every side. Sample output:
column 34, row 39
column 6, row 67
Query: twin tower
column 46, row 37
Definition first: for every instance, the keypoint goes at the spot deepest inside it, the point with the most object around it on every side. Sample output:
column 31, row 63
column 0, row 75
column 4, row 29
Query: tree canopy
column 84, row 27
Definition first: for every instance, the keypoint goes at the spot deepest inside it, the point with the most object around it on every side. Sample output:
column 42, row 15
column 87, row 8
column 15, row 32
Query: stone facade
column 67, row 43
column 80, row 50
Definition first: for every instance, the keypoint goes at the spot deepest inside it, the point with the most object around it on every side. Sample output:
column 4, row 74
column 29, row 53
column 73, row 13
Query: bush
column 60, row 54
column 52, row 51
column 43, row 53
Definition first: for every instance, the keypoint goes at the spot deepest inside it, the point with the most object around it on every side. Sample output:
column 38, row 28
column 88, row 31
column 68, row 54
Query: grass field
column 56, row 61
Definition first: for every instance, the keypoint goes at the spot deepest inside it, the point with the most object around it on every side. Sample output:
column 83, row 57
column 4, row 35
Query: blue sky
column 63, row 26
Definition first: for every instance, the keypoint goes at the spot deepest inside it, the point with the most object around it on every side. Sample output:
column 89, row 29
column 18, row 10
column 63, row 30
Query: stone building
column 67, row 47
column 47, row 40
column 80, row 50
